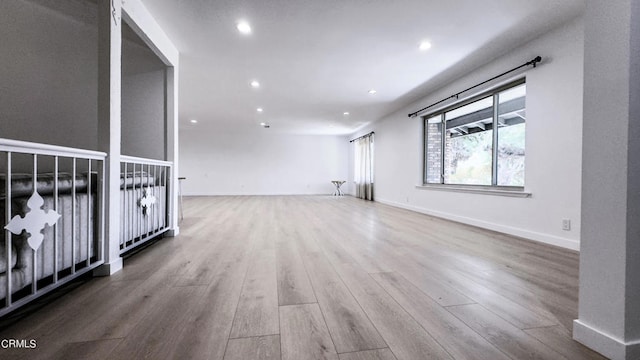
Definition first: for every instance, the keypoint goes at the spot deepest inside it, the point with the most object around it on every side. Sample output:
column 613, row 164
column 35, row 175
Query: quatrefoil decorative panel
column 147, row 200
column 33, row 221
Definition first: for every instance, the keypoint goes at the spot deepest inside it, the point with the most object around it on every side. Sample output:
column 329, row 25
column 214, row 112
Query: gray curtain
column 363, row 174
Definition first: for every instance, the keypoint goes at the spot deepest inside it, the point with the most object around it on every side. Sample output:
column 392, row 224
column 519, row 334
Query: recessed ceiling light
column 243, row 27
column 345, row 113
column 255, row 84
column 372, row 91
column 193, row 121
column 259, row 110
column 263, row 124
column 425, row 45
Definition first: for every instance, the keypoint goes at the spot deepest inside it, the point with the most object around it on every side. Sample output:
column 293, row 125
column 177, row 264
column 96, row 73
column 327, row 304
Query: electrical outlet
column 566, row 224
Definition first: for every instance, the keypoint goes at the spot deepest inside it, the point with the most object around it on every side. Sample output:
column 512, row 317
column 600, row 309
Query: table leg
column 180, row 199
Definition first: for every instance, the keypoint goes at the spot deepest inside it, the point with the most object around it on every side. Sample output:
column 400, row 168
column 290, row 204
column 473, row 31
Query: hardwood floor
column 316, row 277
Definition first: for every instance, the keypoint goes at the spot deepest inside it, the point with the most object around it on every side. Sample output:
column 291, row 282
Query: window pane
column 469, row 144
column 433, row 135
column 483, row 104
column 511, row 136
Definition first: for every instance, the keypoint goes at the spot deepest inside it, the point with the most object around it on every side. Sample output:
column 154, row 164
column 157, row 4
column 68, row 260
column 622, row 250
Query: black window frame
column 494, row 163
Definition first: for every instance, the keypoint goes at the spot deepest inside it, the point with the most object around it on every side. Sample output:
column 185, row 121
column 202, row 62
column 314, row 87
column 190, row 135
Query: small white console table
column 338, row 183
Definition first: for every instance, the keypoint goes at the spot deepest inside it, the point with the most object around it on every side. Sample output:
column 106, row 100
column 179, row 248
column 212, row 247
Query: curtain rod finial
column 536, row 60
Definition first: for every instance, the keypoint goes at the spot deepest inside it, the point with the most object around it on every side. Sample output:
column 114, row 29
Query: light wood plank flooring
column 315, row 277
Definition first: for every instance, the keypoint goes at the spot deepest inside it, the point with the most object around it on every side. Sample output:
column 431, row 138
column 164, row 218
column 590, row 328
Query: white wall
column 260, row 162
column 49, row 72
column 49, row 78
column 553, row 143
column 143, row 100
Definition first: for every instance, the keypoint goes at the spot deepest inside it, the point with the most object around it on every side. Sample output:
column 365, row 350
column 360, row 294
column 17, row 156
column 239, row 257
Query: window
column 479, row 142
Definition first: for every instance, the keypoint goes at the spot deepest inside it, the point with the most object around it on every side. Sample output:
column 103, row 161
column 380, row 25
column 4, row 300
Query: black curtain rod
column 533, row 63
column 363, row 136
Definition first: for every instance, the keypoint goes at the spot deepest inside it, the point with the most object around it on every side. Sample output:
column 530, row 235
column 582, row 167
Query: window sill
column 516, row 192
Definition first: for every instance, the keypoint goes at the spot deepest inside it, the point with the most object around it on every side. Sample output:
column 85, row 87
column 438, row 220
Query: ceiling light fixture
column 424, row 45
column 372, row 92
column 243, row 27
column 255, row 84
column 263, row 124
column 259, row 110
column 346, row 113
column 193, row 121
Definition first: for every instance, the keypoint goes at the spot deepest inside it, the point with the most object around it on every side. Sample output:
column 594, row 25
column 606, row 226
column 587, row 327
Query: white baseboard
column 523, row 233
column 108, row 269
column 605, row 344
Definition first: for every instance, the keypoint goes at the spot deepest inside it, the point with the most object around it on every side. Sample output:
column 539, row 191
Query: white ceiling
column 317, row 59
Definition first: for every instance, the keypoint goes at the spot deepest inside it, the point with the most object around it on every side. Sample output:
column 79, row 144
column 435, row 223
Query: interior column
column 609, row 306
column 109, row 133
column 171, row 118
